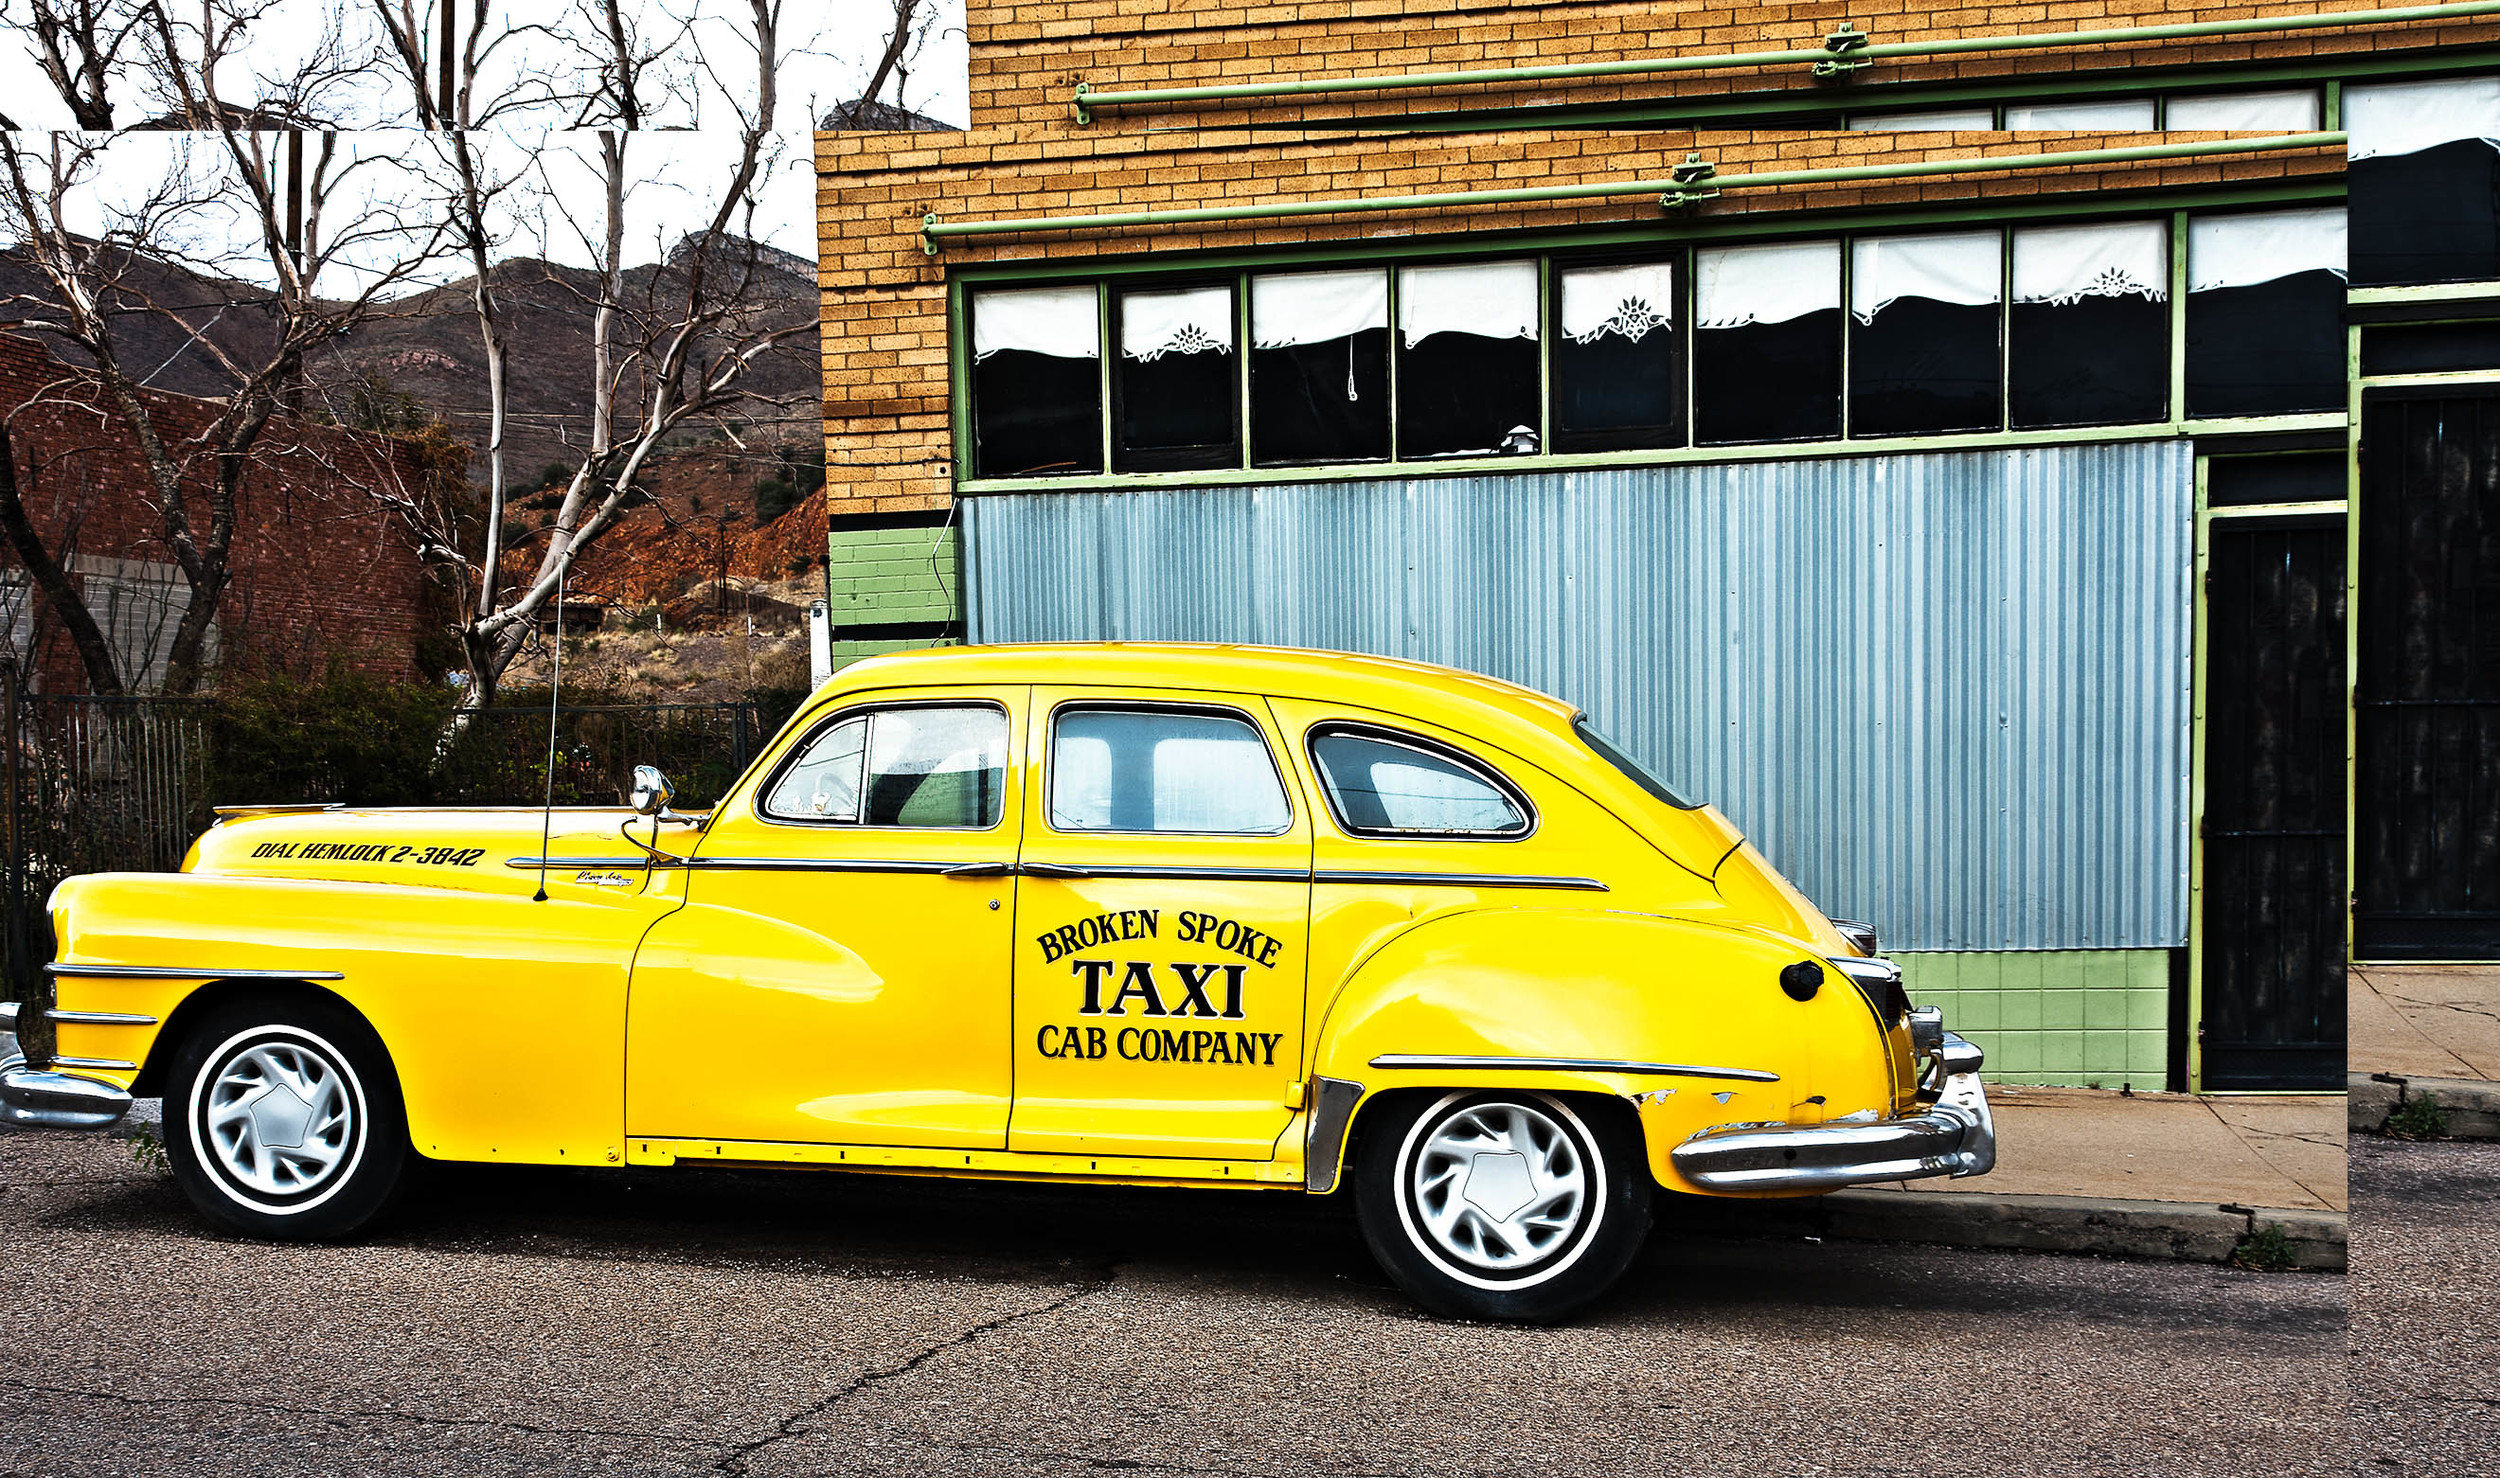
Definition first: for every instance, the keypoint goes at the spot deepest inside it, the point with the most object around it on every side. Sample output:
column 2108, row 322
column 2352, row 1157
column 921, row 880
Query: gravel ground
column 539, row 1322
column 2425, row 1308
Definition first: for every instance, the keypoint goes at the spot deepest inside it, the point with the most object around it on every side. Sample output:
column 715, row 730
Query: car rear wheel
column 283, row 1119
column 1501, row 1205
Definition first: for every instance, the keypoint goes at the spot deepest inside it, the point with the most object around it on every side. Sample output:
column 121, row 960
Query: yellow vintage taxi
column 1129, row 914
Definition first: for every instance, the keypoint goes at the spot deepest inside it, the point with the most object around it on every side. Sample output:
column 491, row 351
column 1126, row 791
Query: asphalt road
column 523, row 1322
column 2426, row 1308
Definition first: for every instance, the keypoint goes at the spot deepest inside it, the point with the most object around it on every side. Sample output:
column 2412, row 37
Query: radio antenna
column 555, row 688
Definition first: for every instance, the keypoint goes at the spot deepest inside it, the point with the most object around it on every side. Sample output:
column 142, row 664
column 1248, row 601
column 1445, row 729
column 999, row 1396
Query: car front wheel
column 1501, row 1205
column 283, row 1119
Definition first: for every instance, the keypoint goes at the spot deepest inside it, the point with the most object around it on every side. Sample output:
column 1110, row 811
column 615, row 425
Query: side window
column 1383, row 784
column 899, row 767
column 1150, row 770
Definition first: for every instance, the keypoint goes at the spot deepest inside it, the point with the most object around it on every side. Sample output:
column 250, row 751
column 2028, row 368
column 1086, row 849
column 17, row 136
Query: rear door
column 1162, row 925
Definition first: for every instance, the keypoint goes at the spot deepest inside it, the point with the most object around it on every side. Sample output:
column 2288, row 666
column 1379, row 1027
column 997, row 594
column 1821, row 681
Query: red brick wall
column 319, row 571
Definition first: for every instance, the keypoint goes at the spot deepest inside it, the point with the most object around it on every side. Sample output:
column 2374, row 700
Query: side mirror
column 651, row 790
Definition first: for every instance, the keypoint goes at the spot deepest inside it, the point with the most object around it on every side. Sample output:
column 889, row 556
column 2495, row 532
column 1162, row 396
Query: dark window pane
column 1190, row 772
column 1036, row 382
column 2265, row 313
column 2242, row 482
column 1924, row 347
column 2429, row 348
column 1468, row 377
column 1766, row 352
column 2424, row 182
column 1387, row 785
column 1319, row 371
column 2090, row 326
column 1173, row 388
column 1618, row 363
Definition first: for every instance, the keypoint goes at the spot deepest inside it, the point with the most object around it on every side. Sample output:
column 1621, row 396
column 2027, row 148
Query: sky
column 677, row 164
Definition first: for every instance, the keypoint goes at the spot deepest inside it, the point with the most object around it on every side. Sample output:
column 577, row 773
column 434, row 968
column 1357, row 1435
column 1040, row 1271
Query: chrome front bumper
column 34, row 1099
column 1956, row 1136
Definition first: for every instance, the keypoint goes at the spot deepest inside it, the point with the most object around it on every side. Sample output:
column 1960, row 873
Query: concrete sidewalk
column 2161, row 1175
column 2426, row 1021
column 2272, row 1151
column 2426, row 1035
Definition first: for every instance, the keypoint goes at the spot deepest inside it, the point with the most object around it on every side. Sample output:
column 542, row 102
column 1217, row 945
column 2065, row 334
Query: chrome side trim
column 1177, row 872
column 31, row 1099
column 102, row 1018
column 1573, row 1065
column 553, row 864
column 1323, row 1150
column 279, row 808
column 1462, row 880
column 1956, row 1136
column 100, row 1064
column 175, row 972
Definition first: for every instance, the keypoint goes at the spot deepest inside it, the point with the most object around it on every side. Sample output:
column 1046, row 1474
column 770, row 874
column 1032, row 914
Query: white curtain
column 1967, row 267
column 2244, row 112
column 2064, row 264
column 2408, row 117
column 1629, row 300
column 1936, row 120
column 1190, row 320
column 1314, row 307
column 1493, row 300
column 1058, row 321
column 1737, row 285
column 2244, row 250
column 2100, row 115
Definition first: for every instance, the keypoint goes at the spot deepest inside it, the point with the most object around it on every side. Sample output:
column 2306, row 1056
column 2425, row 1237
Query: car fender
column 504, row 1016
column 1686, row 1022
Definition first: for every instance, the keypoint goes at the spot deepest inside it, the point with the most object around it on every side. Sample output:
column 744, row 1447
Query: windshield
column 1605, row 750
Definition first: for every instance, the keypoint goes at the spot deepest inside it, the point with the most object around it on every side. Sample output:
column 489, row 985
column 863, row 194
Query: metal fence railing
column 92, row 784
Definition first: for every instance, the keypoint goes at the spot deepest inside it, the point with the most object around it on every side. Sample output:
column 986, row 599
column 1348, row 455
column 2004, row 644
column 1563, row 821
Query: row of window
column 1865, row 336
column 2277, row 110
column 1201, row 771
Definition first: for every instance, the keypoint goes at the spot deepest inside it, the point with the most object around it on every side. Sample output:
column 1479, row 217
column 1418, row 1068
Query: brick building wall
column 318, row 571
column 884, row 316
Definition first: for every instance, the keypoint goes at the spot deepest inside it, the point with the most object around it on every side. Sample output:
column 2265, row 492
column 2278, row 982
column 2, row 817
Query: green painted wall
column 2071, row 1017
column 875, row 576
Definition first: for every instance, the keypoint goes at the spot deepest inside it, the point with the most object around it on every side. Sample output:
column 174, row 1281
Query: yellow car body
column 1041, row 997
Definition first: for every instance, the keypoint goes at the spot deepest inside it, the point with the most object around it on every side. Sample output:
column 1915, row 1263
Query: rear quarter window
column 1384, row 783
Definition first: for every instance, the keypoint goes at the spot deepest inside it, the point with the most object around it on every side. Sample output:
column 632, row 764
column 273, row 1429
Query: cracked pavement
column 2425, row 1308
column 556, row 1322
column 2426, row 1021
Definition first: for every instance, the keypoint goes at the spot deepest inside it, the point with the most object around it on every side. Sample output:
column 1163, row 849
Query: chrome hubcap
column 1499, row 1186
column 280, row 1118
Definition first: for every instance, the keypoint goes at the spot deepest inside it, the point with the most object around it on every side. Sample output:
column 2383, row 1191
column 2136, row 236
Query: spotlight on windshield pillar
column 1801, row 980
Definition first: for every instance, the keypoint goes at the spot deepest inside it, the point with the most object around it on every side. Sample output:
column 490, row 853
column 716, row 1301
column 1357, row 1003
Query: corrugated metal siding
column 1948, row 693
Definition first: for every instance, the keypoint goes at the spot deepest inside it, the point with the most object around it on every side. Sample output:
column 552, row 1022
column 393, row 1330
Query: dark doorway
column 2273, row 828
column 2426, row 813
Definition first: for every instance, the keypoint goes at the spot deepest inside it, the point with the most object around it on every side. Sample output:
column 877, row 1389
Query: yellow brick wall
column 884, row 339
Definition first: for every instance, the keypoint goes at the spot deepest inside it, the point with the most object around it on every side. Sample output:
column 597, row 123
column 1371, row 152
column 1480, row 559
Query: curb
column 2177, row 1231
column 2472, row 1106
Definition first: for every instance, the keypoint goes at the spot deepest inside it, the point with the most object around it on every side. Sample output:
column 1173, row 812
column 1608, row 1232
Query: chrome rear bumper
column 33, row 1099
column 1956, row 1136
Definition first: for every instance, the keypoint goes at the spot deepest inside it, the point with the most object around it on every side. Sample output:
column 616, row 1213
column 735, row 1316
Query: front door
column 1162, row 920
column 2271, row 893
column 2426, row 845
column 839, row 974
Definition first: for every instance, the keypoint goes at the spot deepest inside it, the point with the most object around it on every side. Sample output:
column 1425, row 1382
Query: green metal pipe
column 1841, row 48
column 1695, row 183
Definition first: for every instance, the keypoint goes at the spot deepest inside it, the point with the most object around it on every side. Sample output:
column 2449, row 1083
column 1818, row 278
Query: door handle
column 1053, row 870
column 978, row 870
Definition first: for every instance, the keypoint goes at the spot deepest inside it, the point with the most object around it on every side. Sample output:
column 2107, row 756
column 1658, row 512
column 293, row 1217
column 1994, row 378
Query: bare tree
column 284, row 202
column 669, row 346
column 81, row 46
